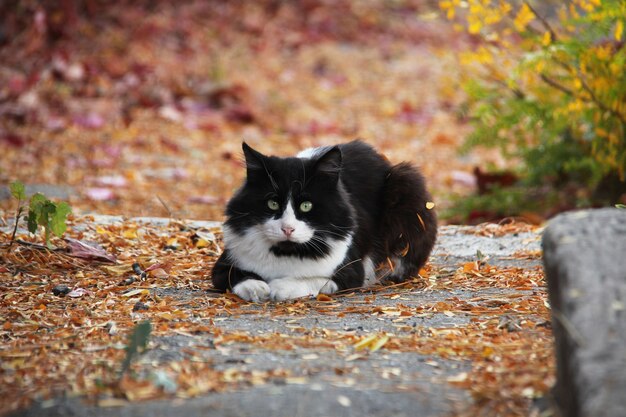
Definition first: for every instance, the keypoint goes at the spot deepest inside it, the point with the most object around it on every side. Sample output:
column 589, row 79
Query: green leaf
column 17, row 190
column 620, row 206
column 57, row 221
column 32, row 221
column 137, row 343
column 36, row 209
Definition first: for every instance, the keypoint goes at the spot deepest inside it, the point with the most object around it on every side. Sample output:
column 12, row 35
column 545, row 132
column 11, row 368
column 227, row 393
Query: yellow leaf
column 363, row 343
column 372, row 342
column 378, row 343
column 619, row 30
column 130, row 234
column 138, row 291
column 547, row 39
column 118, row 269
column 475, row 26
column 201, row 243
column 523, row 18
column 102, row 231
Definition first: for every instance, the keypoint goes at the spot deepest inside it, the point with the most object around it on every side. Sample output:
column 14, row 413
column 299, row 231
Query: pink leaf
column 89, row 120
column 78, row 292
column 88, row 250
column 100, row 194
column 111, row 181
column 203, row 199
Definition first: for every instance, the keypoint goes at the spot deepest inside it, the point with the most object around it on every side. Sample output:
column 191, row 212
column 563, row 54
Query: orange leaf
column 323, row 297
column 405, row 250
column 421, row 221
column 469, row 267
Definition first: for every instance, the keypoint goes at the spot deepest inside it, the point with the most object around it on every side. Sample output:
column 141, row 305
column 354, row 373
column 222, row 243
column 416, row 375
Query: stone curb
column 585, row 262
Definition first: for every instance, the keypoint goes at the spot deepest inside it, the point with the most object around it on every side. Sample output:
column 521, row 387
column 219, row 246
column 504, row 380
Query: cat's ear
column 254, row 159
column 329, row 163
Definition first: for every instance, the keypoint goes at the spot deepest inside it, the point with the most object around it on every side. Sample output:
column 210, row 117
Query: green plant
column 137, row 343
column 547, row 86
column 18, row 191
column 42, row 212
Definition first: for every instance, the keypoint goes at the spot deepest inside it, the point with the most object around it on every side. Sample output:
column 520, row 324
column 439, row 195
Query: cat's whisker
column 314, row 243
column 341, row 227
column 330, row 232
column 240, row 215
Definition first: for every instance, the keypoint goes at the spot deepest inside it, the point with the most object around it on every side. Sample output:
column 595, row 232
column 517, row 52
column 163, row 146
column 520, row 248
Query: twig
column 559, row 86
column 171, row 215
column 569, row 327
column 543, row 21
column 592, row 97
column 18, row 213
column 36, row 245
column 597, row 101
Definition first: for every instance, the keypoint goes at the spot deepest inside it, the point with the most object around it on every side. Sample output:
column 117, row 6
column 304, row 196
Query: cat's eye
column 306, row 206
column 273, row 205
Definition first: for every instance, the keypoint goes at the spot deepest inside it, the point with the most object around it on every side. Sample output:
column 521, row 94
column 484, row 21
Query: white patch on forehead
column 310, row 153
column 250, row 251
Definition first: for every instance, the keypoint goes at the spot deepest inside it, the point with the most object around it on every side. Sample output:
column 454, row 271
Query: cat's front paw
column 288, row 289
column 253, row 290
column 329, row 288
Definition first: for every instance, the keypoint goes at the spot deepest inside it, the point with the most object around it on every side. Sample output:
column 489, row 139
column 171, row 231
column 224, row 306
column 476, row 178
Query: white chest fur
column 250, row 251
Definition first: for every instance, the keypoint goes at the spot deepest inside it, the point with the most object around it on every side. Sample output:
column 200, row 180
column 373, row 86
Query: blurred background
column 139, row 108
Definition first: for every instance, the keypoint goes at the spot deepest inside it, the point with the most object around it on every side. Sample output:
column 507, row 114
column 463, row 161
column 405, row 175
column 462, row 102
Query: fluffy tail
column 409, row 226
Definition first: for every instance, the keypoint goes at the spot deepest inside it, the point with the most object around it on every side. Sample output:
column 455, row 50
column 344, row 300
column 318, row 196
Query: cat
column 322, row 222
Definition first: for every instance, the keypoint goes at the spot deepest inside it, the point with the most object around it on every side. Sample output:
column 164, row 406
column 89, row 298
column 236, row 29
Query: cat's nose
column 287, row 231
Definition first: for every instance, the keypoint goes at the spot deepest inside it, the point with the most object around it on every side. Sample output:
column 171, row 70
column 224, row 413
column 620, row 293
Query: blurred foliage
column 546, row 84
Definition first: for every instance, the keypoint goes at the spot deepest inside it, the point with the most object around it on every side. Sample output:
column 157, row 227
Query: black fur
column 354, row 190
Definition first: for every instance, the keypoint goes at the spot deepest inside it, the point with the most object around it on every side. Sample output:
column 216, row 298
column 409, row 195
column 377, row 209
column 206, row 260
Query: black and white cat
column 321, row 222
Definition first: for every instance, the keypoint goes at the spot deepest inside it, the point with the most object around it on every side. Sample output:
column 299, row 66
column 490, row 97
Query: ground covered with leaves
column 140, row 108
column 482, row 325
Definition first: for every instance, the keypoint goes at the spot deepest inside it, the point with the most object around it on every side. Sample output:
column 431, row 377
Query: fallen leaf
column 100, row 194
column 88, row 250
column 344, row 401
column 323, row 298
column 78, row 292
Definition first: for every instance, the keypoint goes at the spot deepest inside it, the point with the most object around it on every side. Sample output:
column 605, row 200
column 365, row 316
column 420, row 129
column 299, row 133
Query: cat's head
column 297, row 206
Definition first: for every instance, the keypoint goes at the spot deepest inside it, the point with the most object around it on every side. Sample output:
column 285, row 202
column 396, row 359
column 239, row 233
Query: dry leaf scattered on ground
column 55, row 345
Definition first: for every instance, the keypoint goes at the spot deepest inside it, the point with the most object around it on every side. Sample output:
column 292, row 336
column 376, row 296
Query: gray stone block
column 585, row 264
